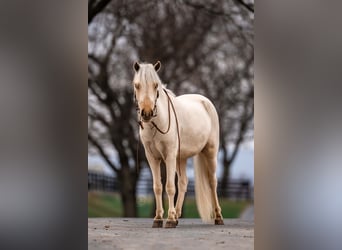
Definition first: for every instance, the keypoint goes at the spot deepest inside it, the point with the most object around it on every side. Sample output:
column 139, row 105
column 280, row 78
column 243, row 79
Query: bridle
column 154, row 110
column 169, row 103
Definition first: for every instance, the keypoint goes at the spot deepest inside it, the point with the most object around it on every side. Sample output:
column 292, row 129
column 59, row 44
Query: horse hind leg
column 211, row 165
column 182, row 187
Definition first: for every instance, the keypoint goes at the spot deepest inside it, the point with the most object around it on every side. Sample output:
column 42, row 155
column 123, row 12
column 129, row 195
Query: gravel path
column 136, row 233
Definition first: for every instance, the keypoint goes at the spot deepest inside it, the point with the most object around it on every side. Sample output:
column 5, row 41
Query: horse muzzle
column 146, row 115
column 147, row 109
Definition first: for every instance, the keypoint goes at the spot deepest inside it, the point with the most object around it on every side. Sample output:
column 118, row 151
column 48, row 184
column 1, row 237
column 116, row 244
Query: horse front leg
column 158, row 190
column 171, row 190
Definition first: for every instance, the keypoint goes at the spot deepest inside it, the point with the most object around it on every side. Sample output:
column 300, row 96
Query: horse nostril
column 146, row 114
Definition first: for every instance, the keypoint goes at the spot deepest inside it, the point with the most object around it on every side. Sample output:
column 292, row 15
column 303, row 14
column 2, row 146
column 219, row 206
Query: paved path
column 136, row 233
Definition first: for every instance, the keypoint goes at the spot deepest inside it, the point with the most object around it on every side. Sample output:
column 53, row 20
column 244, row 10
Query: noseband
column 154, row 111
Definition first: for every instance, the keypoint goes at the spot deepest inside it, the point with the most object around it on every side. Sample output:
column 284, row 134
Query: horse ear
column 157, row 66
column 136, row 66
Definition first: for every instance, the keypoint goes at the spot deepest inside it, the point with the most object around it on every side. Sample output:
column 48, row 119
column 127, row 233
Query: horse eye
column 137, row 85
column 156, row 85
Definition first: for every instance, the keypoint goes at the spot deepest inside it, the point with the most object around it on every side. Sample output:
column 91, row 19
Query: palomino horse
column 173, row 129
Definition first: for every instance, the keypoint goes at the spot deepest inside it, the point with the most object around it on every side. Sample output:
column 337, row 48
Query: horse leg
column 213, row 186
column 158, row 190
column 182, row 187
column 171, row 190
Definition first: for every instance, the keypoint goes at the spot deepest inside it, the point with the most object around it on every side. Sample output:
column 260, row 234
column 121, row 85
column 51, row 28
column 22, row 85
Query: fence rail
column 237, row 189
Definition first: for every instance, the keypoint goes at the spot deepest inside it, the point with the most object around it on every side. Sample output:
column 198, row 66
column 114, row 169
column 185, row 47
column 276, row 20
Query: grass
column 104, row 205
column 101, row 204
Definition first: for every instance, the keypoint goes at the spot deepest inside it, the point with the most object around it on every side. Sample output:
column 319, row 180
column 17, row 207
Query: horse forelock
column 147, row 74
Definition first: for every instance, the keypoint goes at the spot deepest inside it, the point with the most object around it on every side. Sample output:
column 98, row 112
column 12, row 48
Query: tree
column 233, row 92
column 110, row 112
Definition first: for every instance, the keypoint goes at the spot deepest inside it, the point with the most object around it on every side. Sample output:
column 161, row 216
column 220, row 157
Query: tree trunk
column 225, row 175
column 225, row 181
column 129, row 202
column 128, row 192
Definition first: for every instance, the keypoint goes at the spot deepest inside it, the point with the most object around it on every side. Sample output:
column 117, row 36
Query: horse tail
column 202, row 188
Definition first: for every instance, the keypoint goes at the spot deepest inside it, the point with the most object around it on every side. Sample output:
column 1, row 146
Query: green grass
column 102, row 204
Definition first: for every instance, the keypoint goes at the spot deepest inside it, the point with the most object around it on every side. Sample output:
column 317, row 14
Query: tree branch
column 95, row 92
column 246, row 117
column 95, row 7
column 247, row 6
column 100, row 118
column 95, row 59
column 102, row 152
column 203, row 7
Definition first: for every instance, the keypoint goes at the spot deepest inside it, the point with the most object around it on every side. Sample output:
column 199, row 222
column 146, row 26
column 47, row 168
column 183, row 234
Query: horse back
column 191, row 103
column 198, row 117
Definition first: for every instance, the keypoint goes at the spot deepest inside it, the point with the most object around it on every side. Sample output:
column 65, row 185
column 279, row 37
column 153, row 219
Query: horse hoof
column 171, row 224
column 157, row 224
column 219, row 222
column 176, row 222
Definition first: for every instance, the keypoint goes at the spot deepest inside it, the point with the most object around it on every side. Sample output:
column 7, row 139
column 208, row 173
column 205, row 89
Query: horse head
column 146, row 84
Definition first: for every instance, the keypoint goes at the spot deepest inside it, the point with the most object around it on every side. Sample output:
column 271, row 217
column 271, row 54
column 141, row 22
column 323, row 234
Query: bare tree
column 110, row 111
column 230, row 69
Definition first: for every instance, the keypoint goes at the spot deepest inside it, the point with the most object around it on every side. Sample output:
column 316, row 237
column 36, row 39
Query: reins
column 168, row 108
column 164, row 132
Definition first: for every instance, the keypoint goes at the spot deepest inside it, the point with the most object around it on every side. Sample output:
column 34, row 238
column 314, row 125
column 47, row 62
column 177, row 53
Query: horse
column 172, row 129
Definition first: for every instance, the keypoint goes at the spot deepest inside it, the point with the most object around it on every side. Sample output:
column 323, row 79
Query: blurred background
column 297, row 122
column 205, row 47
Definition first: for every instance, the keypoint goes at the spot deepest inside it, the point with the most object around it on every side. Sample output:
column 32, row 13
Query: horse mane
column 164, row 86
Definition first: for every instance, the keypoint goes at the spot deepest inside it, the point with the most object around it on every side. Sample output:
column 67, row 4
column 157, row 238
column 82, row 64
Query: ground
column 136, row 233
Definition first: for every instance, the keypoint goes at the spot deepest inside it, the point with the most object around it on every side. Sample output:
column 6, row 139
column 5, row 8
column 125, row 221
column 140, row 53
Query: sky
column 243, row 166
